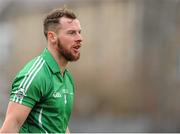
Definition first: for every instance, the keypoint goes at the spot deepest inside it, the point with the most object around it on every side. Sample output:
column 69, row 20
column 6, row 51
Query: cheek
column 67, row 43
column 66, row 39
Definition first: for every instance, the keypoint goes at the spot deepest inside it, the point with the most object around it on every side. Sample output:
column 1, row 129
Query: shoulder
column 36, row 67
column 35, row 73
column 30, row 66
column 31, row 83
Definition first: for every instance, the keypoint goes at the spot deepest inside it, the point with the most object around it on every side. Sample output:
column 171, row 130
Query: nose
column 79, row 38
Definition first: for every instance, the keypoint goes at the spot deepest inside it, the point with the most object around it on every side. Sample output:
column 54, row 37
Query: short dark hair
column 52, row 19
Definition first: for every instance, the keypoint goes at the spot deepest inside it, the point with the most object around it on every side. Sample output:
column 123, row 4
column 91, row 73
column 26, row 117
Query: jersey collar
column 50, row 61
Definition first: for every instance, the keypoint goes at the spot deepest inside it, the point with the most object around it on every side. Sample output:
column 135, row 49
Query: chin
column 75, row 58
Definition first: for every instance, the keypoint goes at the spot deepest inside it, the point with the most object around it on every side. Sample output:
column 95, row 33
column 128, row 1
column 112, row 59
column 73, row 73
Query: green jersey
column 40, row 86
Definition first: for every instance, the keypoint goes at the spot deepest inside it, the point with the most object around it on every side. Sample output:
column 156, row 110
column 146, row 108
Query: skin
column 64, row 45
column 67, row 39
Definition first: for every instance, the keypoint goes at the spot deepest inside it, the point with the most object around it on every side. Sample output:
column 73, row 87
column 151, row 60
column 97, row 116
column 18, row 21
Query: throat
column 62, row 66
column 62, row 72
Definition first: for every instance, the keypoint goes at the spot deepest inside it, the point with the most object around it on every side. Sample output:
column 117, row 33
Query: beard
column 67, row 54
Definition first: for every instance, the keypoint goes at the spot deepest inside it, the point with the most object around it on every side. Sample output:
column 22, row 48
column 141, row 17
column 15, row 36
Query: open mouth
column 77, row 48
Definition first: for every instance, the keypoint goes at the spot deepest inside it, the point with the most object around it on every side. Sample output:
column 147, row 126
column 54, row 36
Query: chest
column 61, row 95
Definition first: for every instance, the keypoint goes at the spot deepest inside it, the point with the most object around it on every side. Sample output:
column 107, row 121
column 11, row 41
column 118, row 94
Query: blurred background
column 128, row 76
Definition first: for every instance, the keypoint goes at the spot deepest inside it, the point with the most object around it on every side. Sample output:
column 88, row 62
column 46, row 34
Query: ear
column 52, row 37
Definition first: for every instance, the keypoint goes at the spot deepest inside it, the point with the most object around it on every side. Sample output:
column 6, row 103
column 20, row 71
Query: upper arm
column 15, row 117
column 18, row 111
column 27, row 89
column 30, row 85
column 67, row 130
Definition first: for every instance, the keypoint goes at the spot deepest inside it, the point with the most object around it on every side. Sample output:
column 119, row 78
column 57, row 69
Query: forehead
column 67, row 23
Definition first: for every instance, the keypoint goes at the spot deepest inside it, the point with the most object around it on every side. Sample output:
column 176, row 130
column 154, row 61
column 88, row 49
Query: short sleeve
column 25, row 90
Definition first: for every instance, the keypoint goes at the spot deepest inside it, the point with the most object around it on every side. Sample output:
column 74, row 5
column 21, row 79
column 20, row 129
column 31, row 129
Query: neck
column 61, row 61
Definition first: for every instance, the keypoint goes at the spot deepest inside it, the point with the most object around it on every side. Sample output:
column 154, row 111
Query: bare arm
column 67, row 130
column 15, row 117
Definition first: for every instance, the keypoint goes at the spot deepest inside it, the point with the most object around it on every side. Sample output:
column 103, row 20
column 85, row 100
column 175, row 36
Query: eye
column 71, row 32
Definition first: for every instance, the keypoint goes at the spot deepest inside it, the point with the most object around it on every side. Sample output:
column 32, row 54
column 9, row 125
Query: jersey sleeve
column 25, row 91
column 29, row 88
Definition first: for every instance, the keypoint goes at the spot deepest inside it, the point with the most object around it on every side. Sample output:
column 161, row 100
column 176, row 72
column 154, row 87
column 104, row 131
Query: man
column 42, row 93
